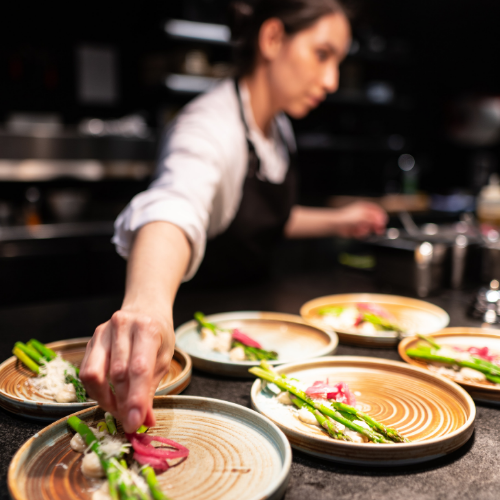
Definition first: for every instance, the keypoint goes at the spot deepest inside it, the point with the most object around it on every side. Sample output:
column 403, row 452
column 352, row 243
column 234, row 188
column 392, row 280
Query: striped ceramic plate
column 234, row 454
column 287, row 334
column 18, row 396
column 463, row 337
column 413, row 315
column 434, row 413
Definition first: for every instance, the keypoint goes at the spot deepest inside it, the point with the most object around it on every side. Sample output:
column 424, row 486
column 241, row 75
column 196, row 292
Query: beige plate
column 462, row 337
column 434, row 413
column 234, row 453
column 413, row 315
column 18, row 396
column 287, row 334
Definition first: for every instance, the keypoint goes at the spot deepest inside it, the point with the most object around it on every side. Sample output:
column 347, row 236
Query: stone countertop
column 469, row 473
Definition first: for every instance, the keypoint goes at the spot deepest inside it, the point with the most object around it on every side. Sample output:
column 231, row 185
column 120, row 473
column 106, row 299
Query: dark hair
column 296, row 15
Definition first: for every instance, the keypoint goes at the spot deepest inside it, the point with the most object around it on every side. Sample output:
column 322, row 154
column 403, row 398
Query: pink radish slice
column 374, row 309
column 151, row 451
column 156, row 463
column 245, row 339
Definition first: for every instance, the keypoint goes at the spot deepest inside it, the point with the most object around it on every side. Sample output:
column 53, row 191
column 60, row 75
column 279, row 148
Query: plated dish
column 421, row 416
column 286, row 336
column 468, row 356
column 374, row 320
column 21, row 391
column 233, row 453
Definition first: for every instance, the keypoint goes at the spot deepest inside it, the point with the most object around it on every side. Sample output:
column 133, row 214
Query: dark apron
column 242, row 253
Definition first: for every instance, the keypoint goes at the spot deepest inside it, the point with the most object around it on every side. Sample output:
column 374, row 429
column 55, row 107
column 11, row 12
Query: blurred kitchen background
column 86, row 90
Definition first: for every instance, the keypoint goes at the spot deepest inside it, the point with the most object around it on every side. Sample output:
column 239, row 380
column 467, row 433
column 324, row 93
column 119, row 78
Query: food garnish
column 104, row 458
column 365, row 318
column 326, row 404
column 237, row 344
column 57, row 378
column 473, row 364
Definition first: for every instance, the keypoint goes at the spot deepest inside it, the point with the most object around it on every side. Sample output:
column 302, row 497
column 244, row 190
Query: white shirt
column 201, row 170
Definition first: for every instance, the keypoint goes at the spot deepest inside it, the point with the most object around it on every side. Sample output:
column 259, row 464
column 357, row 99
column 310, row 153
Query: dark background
column 434, row 53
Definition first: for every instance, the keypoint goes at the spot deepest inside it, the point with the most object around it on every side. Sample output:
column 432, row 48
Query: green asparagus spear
column 329, row 412
column 25, row 359
column 150, row 477
column 383, row 323
column 429, row 340
column 32, row 353
column 110, row 422
column 322, row 420
column 47, row 353
column 351, row 413
column 200, row 318
column 81, row 394
column 256, row 354
column 418, row 354
column 331, row 310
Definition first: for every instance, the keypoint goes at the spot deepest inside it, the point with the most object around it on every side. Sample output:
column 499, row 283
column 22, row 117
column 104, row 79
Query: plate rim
column 280, row 482
column 370, row 297
column 348, row 445
column 446, row 332
column 185, row 373
column 277, row 316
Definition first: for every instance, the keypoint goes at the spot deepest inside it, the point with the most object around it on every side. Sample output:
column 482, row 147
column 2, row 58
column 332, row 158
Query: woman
column 224, row 173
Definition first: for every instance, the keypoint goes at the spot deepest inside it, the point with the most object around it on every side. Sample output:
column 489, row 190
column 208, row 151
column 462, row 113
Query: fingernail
column 134, row 418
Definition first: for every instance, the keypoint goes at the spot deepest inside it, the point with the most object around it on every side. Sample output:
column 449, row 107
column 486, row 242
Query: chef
column 226, row 176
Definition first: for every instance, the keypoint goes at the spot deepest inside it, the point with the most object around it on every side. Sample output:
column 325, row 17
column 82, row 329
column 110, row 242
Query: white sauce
column 237, row 354
column 91, row 466
column 307, row 417
column 284, row 398
column 78, row 444
column 51, row 382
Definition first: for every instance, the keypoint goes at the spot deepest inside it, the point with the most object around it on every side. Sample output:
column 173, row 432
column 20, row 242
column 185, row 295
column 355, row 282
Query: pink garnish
column 339, row 392
column 156, row 463
column 374, row 309
column 245, row 339
column 480, row 352
column 146, row 453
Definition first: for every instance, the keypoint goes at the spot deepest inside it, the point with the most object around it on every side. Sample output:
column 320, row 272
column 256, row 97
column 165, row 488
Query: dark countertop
column 470, row 473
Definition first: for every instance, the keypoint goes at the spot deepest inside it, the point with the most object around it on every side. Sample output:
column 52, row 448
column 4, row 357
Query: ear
column 271, row 37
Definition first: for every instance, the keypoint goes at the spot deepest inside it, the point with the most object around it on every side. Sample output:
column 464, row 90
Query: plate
column 434, row 413
column 412, row 314
column 17, row 395
column 466, row 337
column 234, row 453
column 287, row 334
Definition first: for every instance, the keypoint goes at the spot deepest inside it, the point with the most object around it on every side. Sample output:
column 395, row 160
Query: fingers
column 121, row 326
column 94, row 368
column 147, row 341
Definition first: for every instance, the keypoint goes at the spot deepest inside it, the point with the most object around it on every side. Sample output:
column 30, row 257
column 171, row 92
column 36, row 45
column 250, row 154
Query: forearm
column 157, row 263
column 310, row 222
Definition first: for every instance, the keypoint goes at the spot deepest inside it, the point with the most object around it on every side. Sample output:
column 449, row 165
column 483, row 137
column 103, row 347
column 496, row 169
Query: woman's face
column 306, row 66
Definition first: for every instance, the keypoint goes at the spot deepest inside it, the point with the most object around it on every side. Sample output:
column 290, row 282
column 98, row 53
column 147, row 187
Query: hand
column 133, row 351
column 359, row 219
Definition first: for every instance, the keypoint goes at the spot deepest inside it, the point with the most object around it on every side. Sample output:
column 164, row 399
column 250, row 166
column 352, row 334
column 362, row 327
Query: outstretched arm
column 134, row 348
column 352, row 221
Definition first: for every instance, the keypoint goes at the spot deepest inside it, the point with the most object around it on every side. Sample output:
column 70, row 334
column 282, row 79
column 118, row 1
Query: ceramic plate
column 234, row 453
column 435, row 414
column 18, row 396
column 413, row 315
column 286, row 334
column 462, row 337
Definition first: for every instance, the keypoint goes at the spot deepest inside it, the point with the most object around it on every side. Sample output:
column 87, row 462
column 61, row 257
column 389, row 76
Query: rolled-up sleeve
column 188, row 176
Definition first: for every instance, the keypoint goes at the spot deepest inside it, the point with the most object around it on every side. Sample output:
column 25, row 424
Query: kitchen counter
column 470, row 473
